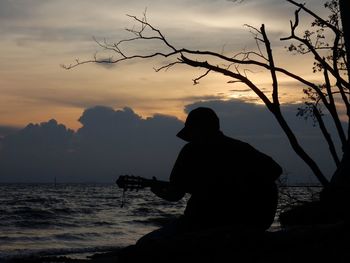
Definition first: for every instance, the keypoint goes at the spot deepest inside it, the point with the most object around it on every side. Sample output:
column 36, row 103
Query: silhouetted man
column 229, row 181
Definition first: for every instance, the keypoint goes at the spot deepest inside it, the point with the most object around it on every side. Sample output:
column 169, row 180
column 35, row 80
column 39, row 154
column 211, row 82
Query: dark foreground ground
column 318, row 243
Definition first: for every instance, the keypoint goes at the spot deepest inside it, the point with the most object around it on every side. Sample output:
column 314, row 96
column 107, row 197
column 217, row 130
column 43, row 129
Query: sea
column 78, row 220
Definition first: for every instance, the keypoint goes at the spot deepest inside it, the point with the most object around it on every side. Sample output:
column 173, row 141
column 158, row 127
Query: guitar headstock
column 131, row 182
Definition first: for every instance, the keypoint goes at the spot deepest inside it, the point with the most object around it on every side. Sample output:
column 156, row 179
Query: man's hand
column 166, row 190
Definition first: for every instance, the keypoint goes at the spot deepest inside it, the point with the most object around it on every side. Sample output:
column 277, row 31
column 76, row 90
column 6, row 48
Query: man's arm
column 177, row 187
column 167, row 191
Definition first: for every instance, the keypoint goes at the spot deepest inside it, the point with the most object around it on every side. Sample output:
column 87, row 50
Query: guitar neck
column 129, row 182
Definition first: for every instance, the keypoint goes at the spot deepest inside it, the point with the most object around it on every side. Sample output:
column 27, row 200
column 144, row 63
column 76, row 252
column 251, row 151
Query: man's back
column 230, row 182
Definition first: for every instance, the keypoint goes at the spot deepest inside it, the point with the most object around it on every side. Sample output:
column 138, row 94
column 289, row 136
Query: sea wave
column 72, row 252
column 40, row 217
column 81, row 218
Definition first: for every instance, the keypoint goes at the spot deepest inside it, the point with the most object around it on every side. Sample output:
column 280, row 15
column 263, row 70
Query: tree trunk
column 345, row 20
column 341, row 178
column 338, row 192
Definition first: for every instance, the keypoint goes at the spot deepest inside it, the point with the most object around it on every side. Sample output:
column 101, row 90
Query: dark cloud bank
column 113, row 142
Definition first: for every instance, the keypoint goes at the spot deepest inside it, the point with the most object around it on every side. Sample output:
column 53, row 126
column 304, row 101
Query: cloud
column 17, row 9
column 113, row 142
column 36, row 151
column 40, row 21
column 6, row 130
column 110, row 142
column 241, row 90
column 39, row 35
column 189, row 99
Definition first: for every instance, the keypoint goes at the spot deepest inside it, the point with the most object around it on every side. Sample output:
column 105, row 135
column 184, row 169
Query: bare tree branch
column 333, row 111
column 272, row 67
column 311, row 48
column 321, row 20
column 196, row 80
column 271, row 106
column 326, row 135
column 231, row 66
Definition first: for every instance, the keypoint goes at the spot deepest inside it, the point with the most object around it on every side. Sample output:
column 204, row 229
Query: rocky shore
column 313, row 243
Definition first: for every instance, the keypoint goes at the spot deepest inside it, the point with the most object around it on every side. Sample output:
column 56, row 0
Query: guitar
column 131, row 182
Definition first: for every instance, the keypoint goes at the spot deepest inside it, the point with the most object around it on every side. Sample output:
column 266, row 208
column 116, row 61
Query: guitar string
column 123, row 198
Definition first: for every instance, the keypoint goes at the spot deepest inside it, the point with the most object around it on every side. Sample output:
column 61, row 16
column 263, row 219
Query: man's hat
column 200, row 119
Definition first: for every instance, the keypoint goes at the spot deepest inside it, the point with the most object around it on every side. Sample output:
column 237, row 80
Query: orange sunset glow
column 36, row 41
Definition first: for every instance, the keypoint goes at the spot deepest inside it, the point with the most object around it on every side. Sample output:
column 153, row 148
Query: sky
column 39, row 36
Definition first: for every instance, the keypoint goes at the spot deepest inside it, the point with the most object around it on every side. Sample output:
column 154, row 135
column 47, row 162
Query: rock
column 318, row 243
column 306, row 243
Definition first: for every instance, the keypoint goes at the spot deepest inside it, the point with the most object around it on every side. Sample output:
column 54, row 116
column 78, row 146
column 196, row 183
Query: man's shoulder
column 221, row 140
column 235, row 142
